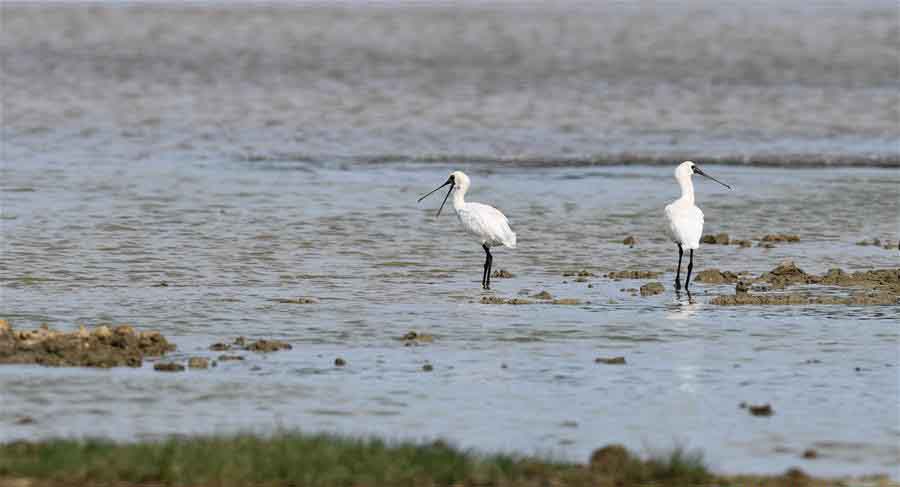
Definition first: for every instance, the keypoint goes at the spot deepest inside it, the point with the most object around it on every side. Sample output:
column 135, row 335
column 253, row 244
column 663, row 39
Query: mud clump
column 787, row 273
column 101, row 347
column 581, row 273
column 499, row 300
column 715, row 276
column 610, row 361
column 168, row 367
column 543, row 295
column 414, row 338
column 198, row 363
column 780, row 237
column 630, row 241
column 617, row 275
column 652, row 288
column 502, row 274
column 241, row 343
column 300, row 300
column 267, row 346
column 760, row 410
column 717, row 239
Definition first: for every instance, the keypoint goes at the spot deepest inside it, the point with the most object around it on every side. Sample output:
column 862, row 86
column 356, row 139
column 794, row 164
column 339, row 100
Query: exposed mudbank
column 880, row 286
column 241, row 343
column 100, row 347
column 715, row 276
column 542, row 297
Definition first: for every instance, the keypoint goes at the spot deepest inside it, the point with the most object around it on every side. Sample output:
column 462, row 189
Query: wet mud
column 652, row 288
column 101, row 347
column 878, row 287
column 780, row 237
column 619, row 275
column 241, row 343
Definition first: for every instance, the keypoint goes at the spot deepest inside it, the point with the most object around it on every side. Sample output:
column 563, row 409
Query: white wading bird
column 484, row 222
column 685, row 219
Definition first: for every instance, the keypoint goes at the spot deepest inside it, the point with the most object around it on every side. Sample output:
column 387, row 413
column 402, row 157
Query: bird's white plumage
column 685, row 224
column 486, row 223
column 685, row 220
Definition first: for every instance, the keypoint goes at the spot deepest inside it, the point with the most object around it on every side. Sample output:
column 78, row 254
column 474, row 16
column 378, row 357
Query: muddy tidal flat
column 341, row 263
column 243, row 182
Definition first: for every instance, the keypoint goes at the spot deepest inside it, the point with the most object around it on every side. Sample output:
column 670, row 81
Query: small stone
column 610, row 361
column 761, row 410
column 428, row 367
column 198, row 363
column 102, row 332
column 220, row 347
column 810, row 454
column 630, row 240
column 168, row 367
column 339, row 362
column 652, row 288
column 502, row 274
column 228, row 358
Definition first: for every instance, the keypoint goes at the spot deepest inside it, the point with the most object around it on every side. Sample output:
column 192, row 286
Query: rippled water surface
column 281, row 156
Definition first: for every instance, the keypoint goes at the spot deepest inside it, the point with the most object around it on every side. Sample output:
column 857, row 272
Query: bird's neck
column 687, row 190
column 459, row 198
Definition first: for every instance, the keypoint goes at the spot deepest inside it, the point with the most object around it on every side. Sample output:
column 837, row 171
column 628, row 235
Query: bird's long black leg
column 490, row 268
column 487, row 263
column 678, row 272
column 687, row 282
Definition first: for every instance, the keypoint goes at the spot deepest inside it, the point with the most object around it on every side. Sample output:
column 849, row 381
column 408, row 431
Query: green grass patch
column 296, row 459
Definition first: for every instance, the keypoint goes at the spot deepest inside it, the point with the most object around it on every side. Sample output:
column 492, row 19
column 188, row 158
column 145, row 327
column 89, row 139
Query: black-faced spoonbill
column 484, row 222
column 685, row 219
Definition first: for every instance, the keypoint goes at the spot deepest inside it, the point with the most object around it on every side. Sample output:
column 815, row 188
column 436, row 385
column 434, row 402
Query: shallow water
column 242, row 159
column 88, row 244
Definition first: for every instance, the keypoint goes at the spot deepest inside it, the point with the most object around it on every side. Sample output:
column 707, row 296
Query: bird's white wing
column 487, row 223
column 685, row 224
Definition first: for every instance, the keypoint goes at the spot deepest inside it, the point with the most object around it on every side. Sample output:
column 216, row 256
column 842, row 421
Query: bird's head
column 458, row 181
column 688, row 168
